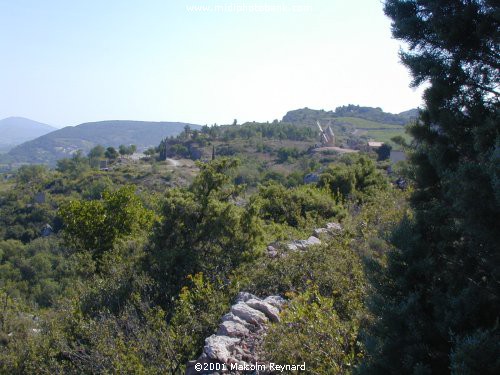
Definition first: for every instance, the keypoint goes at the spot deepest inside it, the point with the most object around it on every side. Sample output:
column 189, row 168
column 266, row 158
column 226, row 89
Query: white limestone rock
column 220, row 347
column 319, row 231
column 248, row 314
column 245, row 296
column 271, row 312
column 275, row 301
column 232, row 329
column 230, row 317
column 272, row 252
column 334, row 227
column 304, row 244
column 313, row 241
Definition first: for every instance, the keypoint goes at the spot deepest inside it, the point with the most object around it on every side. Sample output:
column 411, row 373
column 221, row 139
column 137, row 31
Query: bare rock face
column 319, row 231
column 334, row 227
column 231, row 317
column 304, row 244
column 244, row 296
column 271, row 312
column 331, row 229
column 231, row 328
column 313, row 241
column 272, row 251
column 220, row 347
column 239, row 334
column 248, row 314
column 275, row 301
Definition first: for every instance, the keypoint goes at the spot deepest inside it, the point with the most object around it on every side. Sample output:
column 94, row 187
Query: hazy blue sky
column 73, row 61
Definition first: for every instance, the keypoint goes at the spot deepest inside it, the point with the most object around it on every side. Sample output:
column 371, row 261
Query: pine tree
column 437, row 302
column 162, row 149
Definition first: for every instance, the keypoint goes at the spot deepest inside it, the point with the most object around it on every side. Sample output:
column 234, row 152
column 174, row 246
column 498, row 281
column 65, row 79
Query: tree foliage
column 302, row 206
column 74, row 166
column 354, row 177
column 196, row 315
column 111, row 153
column 95, row 225
column 202, row 230
column 127, row 150
column 384, row 151
column 311, row 332
column 438, row 299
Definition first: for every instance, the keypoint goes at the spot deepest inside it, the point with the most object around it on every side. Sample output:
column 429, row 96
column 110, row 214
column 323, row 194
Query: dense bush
column 95, row 225
column 355, row 176
column 311, row 332
column 38, row 273
column 326, row 287
column 302, row 206
column 202, row 230
column 334, row 269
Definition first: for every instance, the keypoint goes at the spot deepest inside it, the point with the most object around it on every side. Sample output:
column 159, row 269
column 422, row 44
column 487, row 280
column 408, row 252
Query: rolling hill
column 65, row 142
column 307, row 115
column 354, row 120
column 16, row 130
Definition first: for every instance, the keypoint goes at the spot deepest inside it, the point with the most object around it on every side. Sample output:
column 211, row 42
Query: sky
column 197, row 61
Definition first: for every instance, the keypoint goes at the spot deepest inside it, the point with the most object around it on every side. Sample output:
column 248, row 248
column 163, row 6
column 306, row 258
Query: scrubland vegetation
column 129, row 269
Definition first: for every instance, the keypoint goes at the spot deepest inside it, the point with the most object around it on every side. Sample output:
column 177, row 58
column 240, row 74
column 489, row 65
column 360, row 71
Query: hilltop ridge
column 16, row 130
column 351, row 110
column 66, row 141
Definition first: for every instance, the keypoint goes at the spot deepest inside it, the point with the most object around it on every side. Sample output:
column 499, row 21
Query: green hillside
column 371, row 129
column 353, row 124
column 307, row 115
column 359, row 123
column 65, row 142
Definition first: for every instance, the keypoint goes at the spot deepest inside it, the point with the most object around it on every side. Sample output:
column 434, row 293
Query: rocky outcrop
column 239, row 335
column 331, row 229
column 303, row 244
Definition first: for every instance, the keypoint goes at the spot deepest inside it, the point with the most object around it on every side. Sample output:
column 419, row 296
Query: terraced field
column 374, row 130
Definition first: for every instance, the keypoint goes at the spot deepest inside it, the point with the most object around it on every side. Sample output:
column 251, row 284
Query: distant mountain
column 307, row 115
column 16, row 130
column 65, row 142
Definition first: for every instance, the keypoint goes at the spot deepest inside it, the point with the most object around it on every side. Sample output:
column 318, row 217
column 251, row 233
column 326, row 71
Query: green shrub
column 203, row 230
column 333, row 268
column 311, row 332
column 197, row 313
column 302, row 206
column 355, row 176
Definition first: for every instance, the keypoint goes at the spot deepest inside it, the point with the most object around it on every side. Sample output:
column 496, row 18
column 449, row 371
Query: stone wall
column 239, row 335
column 243, row 328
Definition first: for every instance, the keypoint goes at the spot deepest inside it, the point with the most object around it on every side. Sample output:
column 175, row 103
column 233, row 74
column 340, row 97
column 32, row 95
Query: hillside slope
column 367, row 113
column 16, row 130
column 64, row 142
column 356, row 121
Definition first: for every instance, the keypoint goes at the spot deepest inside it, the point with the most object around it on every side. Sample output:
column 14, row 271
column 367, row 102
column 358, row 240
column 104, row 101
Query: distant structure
column 326, row 135
column 103, row 165
column 374, row 145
